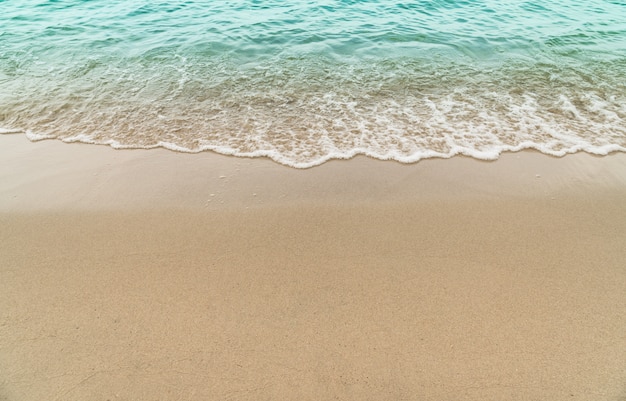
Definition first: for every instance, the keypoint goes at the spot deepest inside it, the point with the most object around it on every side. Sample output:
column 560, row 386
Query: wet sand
column 148, row 275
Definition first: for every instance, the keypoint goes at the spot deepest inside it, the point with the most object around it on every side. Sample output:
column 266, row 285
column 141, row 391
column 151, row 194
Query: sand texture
column 154, row 275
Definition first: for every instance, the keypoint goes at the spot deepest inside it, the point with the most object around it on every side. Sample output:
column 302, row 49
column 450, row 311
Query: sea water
column 303, row 82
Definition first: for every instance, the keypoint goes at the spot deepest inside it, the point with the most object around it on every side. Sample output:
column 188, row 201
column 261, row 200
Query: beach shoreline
column 150, row 274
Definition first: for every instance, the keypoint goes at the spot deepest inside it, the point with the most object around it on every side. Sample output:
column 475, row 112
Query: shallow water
column 305, row 82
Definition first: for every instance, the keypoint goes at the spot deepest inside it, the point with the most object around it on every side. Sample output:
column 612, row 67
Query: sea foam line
column 486, row 155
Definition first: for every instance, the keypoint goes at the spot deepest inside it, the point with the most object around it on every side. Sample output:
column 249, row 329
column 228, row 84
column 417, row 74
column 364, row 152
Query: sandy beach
column 155, row 275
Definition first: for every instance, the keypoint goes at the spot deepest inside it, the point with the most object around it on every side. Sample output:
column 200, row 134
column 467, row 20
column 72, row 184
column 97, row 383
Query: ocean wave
column 303, row 83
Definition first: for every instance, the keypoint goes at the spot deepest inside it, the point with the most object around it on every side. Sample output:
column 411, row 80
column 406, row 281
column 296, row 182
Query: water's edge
column 604, row 151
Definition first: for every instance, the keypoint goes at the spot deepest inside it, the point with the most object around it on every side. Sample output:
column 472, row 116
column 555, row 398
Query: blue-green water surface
column 304, row 82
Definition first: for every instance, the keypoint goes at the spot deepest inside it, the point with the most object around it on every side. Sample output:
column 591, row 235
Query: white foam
column 309, row 127
column 489, row 154
column 38, row 136
column 7, row 131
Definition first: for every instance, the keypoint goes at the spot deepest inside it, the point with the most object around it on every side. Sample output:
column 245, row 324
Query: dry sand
column 153, row 275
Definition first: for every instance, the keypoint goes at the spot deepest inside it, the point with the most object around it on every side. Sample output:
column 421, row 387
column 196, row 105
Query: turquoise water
column 305, row 82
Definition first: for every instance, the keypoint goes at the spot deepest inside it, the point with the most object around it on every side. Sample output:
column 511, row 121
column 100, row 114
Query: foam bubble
column 6, row 131
column 34, row 136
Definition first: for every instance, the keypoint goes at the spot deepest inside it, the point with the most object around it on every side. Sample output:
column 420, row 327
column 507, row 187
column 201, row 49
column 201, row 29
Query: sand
column 155, row 275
